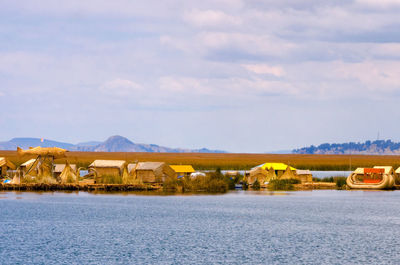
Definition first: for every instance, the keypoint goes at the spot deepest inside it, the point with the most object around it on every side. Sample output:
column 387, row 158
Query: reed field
column 225, row 161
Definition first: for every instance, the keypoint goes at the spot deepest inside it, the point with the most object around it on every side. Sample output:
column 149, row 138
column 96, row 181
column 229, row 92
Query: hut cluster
column 276, row 171
column 98, row 172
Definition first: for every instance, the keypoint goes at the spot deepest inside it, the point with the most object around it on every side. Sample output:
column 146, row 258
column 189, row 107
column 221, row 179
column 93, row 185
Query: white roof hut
column 31, row 165
column 304, row 175
column 109, row 168
column 151, row 172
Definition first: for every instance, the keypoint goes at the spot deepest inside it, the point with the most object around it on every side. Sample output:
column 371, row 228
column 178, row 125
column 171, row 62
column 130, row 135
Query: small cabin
column 304, row 175
column 31, row 166
column 5, row 165
column 102, row 168
column 151, row 172
column 183, row 170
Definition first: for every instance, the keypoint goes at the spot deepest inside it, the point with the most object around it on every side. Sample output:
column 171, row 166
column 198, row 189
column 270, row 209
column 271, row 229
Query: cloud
column 210, row 18
column 121, row 88
column 265, row 69
column 379, row 3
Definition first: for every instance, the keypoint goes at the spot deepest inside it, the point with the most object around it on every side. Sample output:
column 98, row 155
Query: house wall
column 146, row 176
column 252, row 178
column 305, row 178
column 107, row 171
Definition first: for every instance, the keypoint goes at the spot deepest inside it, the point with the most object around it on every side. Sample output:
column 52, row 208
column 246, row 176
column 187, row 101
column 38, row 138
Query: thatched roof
column 258, row 170
column 182, row 168
column 58, row 168
column 5, row 162
column 288, row 174
column 275, row 166
column 28, row 163
column 108, row 163
column 68, row 174
column 150, row 165
column 303, row 172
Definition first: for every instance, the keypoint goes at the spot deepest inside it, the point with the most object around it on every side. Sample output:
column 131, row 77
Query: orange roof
column 182, row 168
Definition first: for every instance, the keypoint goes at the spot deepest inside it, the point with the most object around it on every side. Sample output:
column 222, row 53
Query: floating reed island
column 42, row 173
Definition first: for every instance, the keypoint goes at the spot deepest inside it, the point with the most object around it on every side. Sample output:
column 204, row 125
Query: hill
column 112, row 144
column 378, row 147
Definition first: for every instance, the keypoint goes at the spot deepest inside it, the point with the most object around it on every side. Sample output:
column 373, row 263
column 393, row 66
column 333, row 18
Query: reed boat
column 376, row 178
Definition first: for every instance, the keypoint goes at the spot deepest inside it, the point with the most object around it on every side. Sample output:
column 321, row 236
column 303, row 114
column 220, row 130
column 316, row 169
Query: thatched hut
column 5, row 165
column 183, row 170
column 304, row 175
column 259, row 174
column 279, row 168
column 397, row 176
column 68, row 174
column 31, row 165
column 59, row 168
column 151, row 172
column 107, row 168
column 289, row 174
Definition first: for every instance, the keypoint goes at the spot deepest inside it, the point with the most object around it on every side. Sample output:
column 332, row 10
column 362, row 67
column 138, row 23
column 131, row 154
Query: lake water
column 316, row 227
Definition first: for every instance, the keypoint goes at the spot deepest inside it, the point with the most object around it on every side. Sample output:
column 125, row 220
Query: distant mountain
column 378, row 147
column 113, row 144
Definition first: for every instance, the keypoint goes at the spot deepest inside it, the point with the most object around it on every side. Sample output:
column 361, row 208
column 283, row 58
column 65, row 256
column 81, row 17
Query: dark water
column 319, row 227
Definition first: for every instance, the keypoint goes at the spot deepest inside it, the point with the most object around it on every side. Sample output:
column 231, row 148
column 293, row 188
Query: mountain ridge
column 114, row 143
column 377, row 147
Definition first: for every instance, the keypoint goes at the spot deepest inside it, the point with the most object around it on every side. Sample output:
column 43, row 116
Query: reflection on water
column 240, row 227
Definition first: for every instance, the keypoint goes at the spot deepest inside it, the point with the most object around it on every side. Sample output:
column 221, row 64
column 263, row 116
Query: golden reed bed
column 229, row 161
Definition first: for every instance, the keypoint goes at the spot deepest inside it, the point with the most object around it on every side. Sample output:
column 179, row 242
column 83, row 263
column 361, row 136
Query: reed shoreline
column 77, row 187
column 227, row 161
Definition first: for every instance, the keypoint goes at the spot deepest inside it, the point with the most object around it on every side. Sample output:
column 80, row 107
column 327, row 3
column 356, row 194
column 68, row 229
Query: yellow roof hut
column 183, row 170
column 5, row 165
column 279, row 168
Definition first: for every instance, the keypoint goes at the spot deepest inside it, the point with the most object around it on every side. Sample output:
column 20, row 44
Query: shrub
column 283, row 184
column 256, row 185
column 340, row 182
column 109, row 179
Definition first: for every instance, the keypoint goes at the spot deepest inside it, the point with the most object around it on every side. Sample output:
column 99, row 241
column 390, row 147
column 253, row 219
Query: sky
column 235, row 75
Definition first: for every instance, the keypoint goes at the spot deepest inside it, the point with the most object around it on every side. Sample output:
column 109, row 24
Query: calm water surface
column 319, row 227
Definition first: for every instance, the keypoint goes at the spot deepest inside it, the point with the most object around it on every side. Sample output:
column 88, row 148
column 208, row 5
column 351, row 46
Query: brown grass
column 228, row 161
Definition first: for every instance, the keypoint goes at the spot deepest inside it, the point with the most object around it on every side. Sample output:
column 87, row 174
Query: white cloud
column 380, row 3
column 121, row 88
column 377, row 76
column 210, row 18
column 265, row 69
